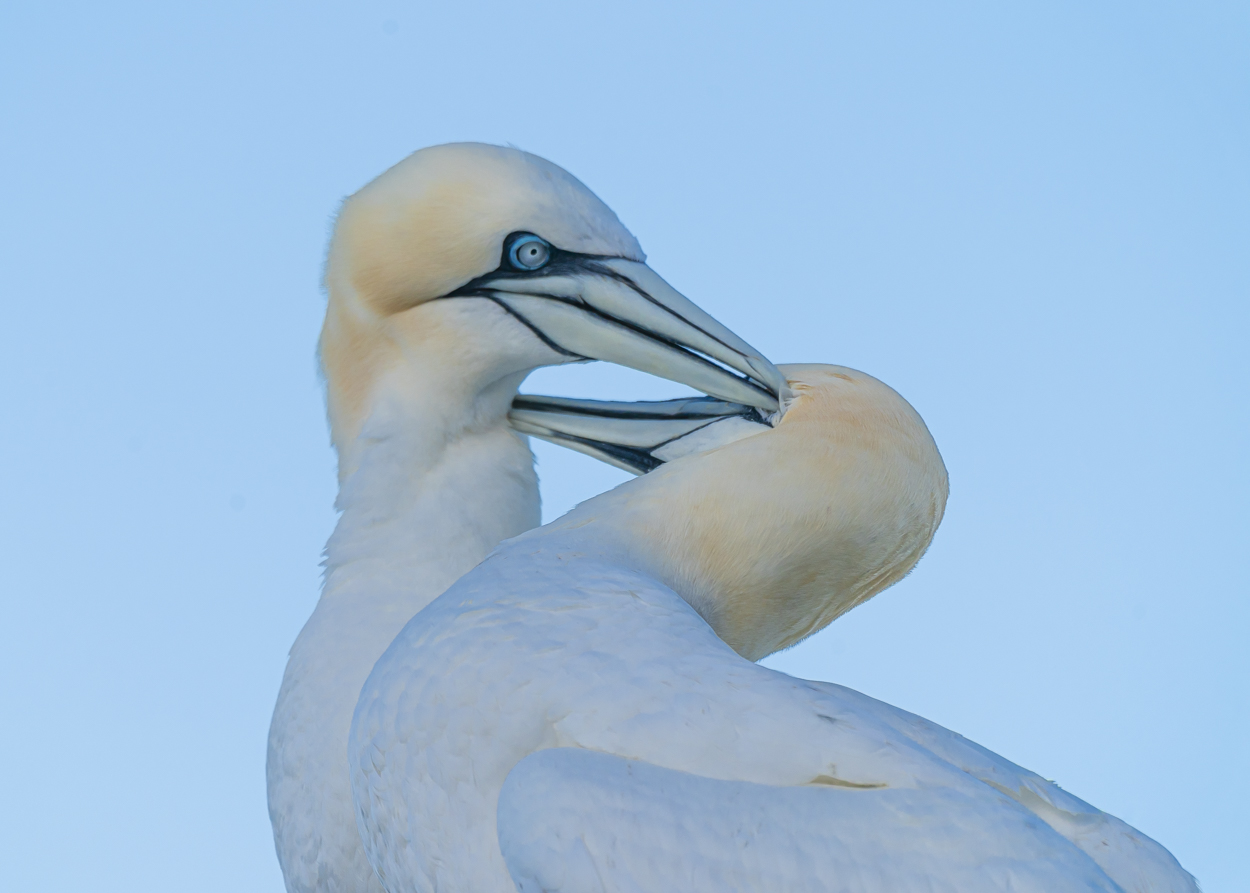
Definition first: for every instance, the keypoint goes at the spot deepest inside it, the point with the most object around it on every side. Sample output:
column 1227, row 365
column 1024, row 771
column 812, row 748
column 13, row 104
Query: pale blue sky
column 1033, row 220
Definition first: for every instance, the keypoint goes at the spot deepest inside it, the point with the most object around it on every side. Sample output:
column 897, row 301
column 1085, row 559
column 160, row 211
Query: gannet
column 450, row 277
column 581, row 712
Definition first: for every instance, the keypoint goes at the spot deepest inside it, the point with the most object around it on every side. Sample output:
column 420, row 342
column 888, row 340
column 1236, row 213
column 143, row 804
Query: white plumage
column 571, row 716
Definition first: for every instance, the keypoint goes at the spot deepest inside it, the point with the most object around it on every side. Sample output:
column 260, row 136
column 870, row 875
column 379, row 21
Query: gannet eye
column 529, row 253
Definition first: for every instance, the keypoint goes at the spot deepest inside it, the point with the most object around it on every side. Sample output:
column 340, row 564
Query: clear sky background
column 1031, row 219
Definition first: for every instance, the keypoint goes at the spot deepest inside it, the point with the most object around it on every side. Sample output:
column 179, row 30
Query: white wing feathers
column 1137, row 863
column 576, row 821
column 577, row 726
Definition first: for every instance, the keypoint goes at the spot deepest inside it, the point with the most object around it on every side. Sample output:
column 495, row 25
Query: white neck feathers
column 433, row 478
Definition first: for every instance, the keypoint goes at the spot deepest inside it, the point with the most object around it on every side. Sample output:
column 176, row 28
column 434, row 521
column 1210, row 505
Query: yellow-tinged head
column 452, row 222
column 773, row 536
column 438, row 219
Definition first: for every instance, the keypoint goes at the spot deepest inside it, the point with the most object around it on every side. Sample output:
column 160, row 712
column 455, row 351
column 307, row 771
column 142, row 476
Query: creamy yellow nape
column 432, row 223
column 772, row 537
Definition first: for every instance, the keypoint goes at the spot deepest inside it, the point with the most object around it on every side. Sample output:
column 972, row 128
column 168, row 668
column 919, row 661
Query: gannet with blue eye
column 451, row 277
column 580, row 712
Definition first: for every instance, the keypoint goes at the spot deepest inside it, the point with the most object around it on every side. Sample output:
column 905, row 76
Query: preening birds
column 476, row 705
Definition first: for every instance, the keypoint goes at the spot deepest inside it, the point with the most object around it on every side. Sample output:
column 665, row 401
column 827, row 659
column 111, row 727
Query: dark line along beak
column 622, row 312
column 636, row 437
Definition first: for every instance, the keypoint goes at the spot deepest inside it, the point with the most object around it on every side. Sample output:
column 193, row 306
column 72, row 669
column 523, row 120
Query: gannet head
column 773, row 535
column 550, row 273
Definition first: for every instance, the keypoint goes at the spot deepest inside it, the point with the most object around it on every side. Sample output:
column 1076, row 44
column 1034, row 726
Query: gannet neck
column 435, row 477
column 772, row 536
column 424, row 376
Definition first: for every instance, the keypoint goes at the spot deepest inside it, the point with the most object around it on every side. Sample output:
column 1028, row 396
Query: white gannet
column 581, row 712
column 450, row 277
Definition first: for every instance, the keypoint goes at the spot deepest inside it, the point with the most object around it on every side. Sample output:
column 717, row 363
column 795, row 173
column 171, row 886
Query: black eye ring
column 529, row 252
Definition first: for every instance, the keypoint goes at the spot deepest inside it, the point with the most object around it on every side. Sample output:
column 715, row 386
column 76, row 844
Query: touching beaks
column 621, row 311
column 636, row 437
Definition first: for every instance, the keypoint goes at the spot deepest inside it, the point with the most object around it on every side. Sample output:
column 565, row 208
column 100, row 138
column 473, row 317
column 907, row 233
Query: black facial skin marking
column 569, row 263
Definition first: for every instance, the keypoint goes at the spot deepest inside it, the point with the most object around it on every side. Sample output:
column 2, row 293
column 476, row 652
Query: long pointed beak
column 636, row 437
column 621, row 311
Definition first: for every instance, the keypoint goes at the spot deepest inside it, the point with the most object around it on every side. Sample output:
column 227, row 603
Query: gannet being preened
column 581, row 712
column 450, row 278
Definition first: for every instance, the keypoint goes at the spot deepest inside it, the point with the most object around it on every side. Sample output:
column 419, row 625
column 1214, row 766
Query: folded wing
column 576, row 820
column 1137, row 863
